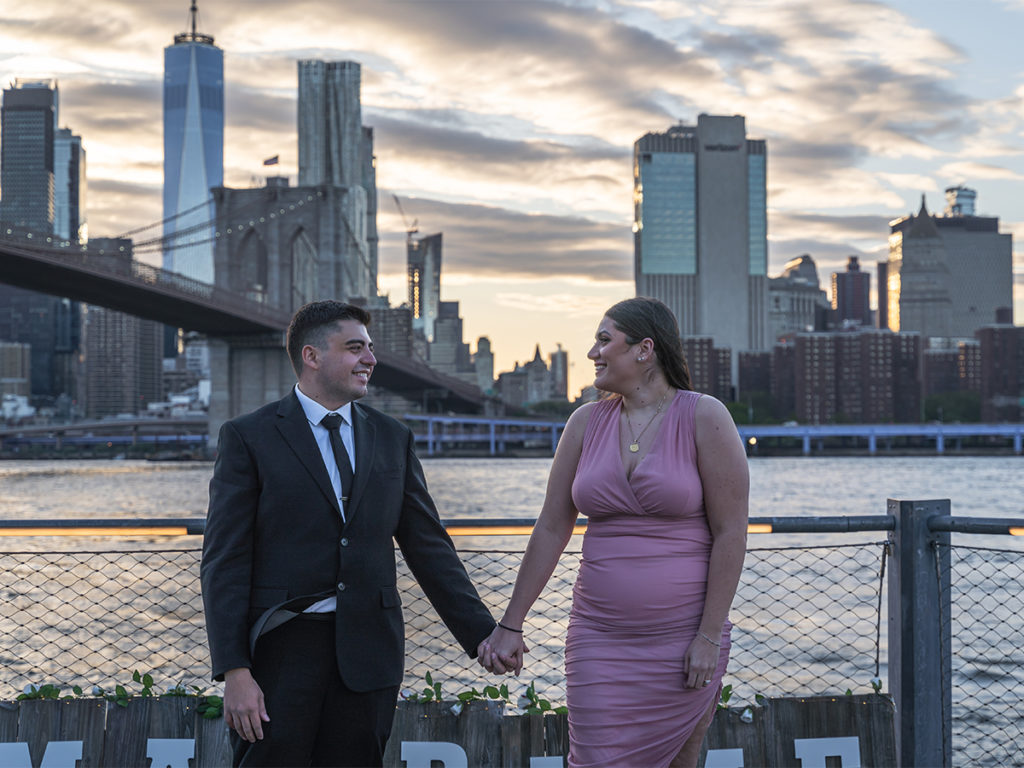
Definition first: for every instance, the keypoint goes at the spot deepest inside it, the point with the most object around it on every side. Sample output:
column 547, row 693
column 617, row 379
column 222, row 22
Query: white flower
column 524, row 701
column 405, row 693
column 97, row 691
column 456, row 708
column 30, row 689
column 747, row 716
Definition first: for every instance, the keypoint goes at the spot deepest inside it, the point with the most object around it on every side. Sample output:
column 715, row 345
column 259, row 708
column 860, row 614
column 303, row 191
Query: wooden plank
column 8, row 721
column 869, row 718
column 556, row 736
column 478, row 732
column 213, row 745
column 729, row 731
column 172, row 717
column 42, row 721
column 125, row 745
column 512, row 751
column 419, row 721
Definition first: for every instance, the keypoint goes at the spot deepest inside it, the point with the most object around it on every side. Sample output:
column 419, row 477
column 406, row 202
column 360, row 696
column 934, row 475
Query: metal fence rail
column 808, row 619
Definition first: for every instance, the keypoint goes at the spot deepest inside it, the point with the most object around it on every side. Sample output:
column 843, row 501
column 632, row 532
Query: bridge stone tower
column 282, row 246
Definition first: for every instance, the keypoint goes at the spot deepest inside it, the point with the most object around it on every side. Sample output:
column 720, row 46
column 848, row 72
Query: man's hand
column 503, row 652
column 244, row 710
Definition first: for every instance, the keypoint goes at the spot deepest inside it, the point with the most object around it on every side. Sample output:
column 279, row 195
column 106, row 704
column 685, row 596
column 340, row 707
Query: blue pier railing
column 496, row 436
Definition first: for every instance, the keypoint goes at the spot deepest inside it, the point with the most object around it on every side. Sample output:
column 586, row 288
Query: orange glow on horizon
column 87, row 531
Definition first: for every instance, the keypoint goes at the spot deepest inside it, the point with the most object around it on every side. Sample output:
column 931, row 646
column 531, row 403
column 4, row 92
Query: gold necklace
column 634, row 447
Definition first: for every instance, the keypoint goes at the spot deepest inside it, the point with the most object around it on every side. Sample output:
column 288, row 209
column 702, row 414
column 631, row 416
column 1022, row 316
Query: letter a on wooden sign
column 812, row 752
column 170, row 753
column 419, row 754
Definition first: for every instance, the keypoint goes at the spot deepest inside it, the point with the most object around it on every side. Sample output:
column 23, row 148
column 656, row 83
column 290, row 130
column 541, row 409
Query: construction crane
column 409, row 230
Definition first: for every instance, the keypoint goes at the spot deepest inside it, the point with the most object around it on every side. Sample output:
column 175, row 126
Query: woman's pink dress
column 639, row 595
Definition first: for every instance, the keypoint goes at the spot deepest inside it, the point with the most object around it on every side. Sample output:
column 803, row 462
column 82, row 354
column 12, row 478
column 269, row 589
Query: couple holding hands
column 298, row 571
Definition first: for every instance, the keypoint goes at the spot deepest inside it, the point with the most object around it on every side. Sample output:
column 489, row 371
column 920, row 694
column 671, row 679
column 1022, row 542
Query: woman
column 661, row 474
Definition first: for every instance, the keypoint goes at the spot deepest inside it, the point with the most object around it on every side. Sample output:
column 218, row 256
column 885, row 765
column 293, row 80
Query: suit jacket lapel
column 365, row 441
column 294, row 428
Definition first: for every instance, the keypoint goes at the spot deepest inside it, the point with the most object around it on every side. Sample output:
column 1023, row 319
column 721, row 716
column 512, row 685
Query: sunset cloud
column 509, row 125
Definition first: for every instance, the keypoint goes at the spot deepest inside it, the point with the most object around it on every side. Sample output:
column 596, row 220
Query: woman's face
column 614, row 358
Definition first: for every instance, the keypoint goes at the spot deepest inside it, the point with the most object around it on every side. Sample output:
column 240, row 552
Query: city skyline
column 510, row 126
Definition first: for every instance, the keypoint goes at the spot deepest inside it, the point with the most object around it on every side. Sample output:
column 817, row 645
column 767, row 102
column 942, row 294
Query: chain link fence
column 806, row 621
column 987, row 635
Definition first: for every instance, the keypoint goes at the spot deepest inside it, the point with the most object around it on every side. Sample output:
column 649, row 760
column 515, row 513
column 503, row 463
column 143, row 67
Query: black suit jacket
column 274, row 533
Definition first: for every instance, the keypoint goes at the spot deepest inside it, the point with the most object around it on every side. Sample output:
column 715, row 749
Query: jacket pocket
column 389, row 598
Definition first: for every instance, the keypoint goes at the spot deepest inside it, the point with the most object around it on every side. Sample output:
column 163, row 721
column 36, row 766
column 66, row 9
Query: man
column 298, row 571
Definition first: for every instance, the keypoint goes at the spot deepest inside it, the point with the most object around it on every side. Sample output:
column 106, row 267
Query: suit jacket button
column 341, row 586
column 344, row 542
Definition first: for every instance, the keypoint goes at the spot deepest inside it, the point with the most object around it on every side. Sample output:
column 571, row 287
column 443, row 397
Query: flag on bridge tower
column 272, row 160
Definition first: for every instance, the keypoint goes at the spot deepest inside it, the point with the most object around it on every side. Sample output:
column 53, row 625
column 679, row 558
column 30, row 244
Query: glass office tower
column 701, row 241
column 193, row 149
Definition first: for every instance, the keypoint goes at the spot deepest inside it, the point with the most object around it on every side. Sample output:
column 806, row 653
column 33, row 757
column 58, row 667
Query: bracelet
column 717, row 645
column 517, row 631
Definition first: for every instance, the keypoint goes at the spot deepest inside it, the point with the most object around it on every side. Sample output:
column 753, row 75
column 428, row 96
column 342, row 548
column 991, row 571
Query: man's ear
column 310, row 356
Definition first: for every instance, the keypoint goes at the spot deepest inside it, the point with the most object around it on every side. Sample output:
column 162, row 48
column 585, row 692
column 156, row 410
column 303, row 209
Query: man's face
column 341, row 368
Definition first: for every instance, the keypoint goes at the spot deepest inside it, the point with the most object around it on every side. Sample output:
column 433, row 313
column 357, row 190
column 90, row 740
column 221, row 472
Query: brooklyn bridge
column 246, row 334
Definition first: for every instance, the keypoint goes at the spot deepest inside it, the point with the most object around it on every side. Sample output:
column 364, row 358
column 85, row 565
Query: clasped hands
column 502, row 652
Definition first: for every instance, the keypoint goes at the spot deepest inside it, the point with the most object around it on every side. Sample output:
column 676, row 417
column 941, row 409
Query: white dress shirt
column 314, row 413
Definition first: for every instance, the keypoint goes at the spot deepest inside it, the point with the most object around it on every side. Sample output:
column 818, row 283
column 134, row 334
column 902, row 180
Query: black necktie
column 333, row 423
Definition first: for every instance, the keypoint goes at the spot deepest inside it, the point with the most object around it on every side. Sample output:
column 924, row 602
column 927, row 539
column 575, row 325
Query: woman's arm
column 722, row 464
column 550, row 535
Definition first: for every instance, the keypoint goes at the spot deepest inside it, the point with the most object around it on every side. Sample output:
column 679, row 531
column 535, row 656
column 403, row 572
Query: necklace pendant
column 634, row 447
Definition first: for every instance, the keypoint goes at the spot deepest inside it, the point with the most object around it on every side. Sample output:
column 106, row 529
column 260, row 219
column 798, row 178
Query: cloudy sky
column 509, row 125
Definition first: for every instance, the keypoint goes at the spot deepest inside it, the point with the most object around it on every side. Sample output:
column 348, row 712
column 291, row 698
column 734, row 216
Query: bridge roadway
column 121, row 283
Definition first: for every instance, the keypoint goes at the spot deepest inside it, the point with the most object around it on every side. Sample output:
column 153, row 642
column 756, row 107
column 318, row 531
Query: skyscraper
column 28, row 125
column 423, row 260
column 193, row 149
column 69, row 191
column 701, row 229
column 336, row 149
column 39, row 187
column 851, row 294
column 948, row 275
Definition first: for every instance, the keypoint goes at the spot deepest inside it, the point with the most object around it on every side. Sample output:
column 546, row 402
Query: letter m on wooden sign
column 58, row 754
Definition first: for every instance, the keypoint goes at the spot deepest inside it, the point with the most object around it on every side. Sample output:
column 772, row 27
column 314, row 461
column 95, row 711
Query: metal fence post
column 920, row 668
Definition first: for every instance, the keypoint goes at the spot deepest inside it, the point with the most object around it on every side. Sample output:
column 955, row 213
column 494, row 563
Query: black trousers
column 314, row 718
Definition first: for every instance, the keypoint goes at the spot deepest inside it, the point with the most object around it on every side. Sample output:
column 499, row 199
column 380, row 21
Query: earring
column 641, row 359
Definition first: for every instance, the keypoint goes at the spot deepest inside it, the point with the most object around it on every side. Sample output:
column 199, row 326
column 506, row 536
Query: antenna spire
column 193, row 35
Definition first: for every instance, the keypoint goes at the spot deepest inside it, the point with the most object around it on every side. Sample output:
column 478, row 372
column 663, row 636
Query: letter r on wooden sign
column 418, row 754
column 812, row 752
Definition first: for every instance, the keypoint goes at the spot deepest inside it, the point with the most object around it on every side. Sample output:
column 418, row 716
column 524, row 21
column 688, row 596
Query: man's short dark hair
column 311, row 324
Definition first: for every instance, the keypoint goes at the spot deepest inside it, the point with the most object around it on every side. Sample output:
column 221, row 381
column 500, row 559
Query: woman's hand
column 503, row 651
column 699, row 662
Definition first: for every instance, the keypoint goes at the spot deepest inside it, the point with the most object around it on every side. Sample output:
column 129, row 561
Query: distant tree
column 953, row 406
column 560, row 408
column 752, row 408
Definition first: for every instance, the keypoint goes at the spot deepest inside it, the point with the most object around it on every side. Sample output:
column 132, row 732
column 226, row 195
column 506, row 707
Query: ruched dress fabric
column 639, row 595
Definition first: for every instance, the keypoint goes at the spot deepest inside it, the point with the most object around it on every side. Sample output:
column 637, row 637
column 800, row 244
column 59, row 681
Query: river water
column 806, row 615
column 988, row 486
